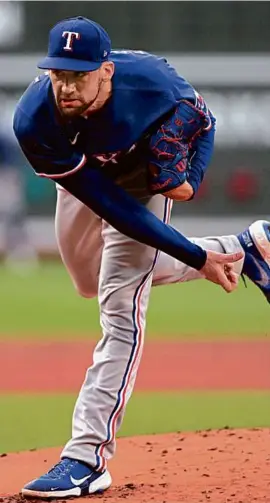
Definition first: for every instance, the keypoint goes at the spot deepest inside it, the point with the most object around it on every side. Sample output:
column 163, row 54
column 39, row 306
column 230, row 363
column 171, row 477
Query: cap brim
column 75, row 65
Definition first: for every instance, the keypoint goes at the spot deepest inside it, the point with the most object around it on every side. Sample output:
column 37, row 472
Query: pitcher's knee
column 86, row 290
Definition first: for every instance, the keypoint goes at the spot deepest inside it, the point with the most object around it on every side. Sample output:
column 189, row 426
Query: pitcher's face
column 76, row 92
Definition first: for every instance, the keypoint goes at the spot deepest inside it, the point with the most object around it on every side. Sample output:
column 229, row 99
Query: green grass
column 45, row 304
column 34, row 421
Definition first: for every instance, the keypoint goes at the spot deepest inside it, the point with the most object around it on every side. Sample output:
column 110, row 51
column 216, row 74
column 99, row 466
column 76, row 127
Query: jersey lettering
column 113, row 157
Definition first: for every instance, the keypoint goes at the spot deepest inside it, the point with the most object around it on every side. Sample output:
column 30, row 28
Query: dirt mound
column 219, row 466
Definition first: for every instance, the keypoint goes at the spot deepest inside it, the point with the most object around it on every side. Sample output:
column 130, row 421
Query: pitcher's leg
column 78, row 235
column 124, row 287
column 169, row 270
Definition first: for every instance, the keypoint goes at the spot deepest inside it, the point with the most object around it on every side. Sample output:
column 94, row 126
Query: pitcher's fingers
column 231, row 274
column 225, row 282
column 233, row 277
column 231, row 257
column 229, row 279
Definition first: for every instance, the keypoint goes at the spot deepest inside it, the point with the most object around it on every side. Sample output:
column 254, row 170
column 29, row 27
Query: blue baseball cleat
column 256, row 244
column 68, row 478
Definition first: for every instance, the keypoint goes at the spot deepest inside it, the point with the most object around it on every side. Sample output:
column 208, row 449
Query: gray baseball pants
column 120, row 271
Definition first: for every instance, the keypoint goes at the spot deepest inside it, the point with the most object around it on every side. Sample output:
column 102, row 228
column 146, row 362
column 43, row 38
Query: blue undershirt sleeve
column 54, row 158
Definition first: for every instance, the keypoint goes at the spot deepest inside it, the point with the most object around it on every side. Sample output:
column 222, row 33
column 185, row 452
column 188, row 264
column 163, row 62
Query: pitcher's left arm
column 181, row 151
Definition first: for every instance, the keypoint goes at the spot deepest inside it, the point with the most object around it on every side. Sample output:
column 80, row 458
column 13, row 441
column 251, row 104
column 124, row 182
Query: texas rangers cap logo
column 70, row 37
column 76, row 44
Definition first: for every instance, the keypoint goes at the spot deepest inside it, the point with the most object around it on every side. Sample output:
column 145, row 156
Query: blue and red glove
column 170, row 146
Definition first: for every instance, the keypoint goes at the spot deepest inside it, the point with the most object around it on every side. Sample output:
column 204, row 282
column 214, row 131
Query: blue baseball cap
column 77, row 44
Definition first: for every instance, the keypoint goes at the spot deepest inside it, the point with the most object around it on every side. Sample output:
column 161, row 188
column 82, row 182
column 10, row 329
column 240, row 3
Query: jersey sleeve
column 200, row 157
column 97, row 191
column 201, row 150
column 49, row 152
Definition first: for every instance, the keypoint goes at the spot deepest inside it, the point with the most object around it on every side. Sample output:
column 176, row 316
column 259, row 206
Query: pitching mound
column 218, row 466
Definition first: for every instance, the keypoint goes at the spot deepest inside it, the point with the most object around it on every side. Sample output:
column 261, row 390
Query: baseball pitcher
column 122, row 135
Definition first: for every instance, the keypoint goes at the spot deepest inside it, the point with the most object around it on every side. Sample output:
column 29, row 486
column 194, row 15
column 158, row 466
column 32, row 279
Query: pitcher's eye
column 56, row 73
column 80, row 74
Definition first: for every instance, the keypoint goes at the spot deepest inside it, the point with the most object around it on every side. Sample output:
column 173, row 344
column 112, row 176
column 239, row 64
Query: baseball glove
column 170, row 147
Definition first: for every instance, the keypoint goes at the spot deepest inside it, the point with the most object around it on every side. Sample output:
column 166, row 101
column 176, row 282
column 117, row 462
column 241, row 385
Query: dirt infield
column 219, row 467
column 44, row 367
column 225, row 466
